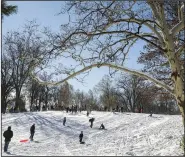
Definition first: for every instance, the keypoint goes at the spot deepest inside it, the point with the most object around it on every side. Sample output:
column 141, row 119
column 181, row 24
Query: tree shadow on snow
column 56, row 123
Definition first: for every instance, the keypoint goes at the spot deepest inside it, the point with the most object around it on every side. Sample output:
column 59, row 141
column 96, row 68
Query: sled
column 25, row 140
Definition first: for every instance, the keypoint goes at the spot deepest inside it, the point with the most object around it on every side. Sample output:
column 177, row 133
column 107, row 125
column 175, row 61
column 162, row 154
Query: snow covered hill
column 127, row 134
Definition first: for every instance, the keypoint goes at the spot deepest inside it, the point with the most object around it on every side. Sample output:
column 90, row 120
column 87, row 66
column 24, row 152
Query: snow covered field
column 127, row 134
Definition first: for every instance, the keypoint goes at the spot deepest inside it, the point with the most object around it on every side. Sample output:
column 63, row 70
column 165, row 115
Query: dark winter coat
column 8, row 134
column 32, row 129
column 91, row 120
column 81, row 135
column 102, row 126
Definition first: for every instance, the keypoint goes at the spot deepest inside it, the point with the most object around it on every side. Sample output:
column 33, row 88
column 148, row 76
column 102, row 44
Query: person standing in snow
column 32, row 132
column 64, row 121
column 87, row 113
column 81, row 136
column 8, row 134
column 91, row 121
column 117, row 108
column 67, row 109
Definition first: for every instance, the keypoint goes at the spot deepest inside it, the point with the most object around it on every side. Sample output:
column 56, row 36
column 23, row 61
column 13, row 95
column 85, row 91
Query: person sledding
column 81, row 137
column 32, row 132
column 102, row 127
column 8, row 134
column 91, row 121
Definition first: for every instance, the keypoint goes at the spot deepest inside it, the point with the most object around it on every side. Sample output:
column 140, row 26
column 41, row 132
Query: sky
column 45, row 13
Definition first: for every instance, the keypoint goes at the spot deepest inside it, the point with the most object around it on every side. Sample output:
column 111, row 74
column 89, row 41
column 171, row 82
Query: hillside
column 127, row 134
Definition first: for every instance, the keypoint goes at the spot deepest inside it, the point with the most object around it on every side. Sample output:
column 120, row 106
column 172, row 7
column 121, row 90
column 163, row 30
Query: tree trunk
column 3, row 104
column 46, row 101
column 177, row 77
column 181, row 108
column 17, row 100
column 31, row 103
column 39, row 103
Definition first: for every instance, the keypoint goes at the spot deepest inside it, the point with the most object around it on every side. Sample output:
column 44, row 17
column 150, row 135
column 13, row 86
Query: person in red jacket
column 8, row 134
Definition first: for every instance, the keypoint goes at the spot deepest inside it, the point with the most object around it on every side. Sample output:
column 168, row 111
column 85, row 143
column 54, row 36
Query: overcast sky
column 45, row 12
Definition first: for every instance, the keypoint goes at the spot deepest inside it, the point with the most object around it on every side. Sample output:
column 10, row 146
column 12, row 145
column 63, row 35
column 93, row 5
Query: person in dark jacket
column 8, row 134
column 102, row 126
column 91, row 121
column 81, row 136
column 32, row 132
column 87, row 113
column 64, row 121
column 117, row 108
column 151, row 113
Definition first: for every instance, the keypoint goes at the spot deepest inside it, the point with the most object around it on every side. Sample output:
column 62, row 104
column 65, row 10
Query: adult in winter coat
column 32, row 132
column 81, row 136
column 64, row 121
column 8, row 134
column 87, row 113
column 91, row 121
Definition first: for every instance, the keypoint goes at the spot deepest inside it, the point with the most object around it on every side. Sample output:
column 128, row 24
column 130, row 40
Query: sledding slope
column 127, row 134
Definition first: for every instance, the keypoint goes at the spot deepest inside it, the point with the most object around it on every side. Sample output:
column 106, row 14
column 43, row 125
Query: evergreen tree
column 7, row 10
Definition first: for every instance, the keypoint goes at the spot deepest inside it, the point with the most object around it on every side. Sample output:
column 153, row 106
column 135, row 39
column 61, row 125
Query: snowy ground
column 127, row 134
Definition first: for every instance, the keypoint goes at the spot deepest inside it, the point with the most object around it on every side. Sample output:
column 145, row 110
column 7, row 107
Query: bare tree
column 66, row 95
column 33, row 89
column 6, row 81
column 93, row 103
column 81, row 98
column 107, row 92
column 77, row 98
column 26, row 50
column 108, row 30
column 129, row 86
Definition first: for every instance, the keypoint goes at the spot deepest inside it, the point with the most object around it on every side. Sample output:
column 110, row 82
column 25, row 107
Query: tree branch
column 134, row 72
column 179, row 26
column 141, row 36
column 180, row 50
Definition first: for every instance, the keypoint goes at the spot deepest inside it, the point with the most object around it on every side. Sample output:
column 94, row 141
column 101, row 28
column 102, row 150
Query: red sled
column 26, row 140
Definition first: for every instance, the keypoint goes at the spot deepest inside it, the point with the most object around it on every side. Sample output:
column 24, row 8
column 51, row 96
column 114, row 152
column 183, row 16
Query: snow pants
column 80, row 140
column 31, row 136
column 6, row 146
column 64, row 123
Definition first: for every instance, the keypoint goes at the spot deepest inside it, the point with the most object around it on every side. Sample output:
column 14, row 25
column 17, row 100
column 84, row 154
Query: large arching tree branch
column 121, row 68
